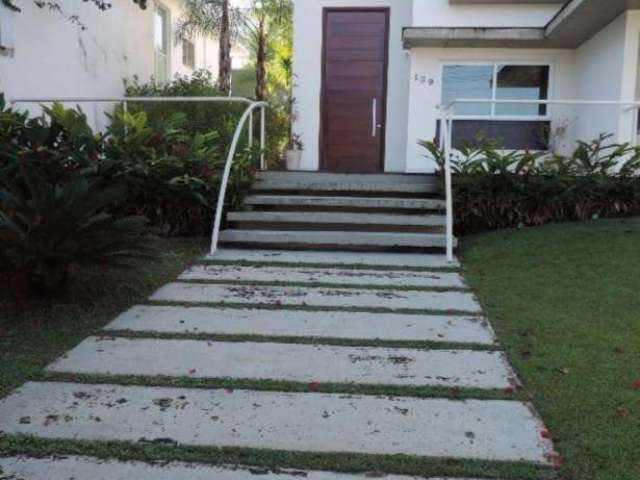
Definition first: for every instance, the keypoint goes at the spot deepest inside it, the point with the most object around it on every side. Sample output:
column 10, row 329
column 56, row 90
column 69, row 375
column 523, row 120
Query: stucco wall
column 439, row 13
column 54, row 58
column 308, row 77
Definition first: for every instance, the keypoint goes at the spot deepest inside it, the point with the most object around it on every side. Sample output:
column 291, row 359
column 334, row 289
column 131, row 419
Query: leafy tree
column 264, row 20
column 212, row 18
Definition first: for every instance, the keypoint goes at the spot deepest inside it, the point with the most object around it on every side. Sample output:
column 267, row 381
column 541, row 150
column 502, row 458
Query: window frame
column 192, row 65
column 495, row 64
column 159, row 6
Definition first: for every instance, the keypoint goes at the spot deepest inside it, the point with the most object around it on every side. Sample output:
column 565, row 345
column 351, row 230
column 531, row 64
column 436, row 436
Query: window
column 499, row 81
column 161, row 44
column 188, row 53
column 6, row 28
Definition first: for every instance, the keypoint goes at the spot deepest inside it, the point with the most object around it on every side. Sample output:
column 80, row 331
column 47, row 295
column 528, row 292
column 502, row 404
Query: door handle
column 374, row 117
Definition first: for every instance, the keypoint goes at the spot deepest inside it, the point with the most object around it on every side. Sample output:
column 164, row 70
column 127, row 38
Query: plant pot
column 293, row 159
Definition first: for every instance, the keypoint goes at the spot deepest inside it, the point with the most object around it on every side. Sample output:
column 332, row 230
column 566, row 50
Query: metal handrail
column 446, row 139
column 248, row 114
column 215, row 235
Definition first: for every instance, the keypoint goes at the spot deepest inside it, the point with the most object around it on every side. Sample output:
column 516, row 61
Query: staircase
column 352, row 212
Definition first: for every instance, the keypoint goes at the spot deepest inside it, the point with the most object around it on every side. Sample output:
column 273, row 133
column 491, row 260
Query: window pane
column 160, row 24
column 468, row 81
column 522, row 82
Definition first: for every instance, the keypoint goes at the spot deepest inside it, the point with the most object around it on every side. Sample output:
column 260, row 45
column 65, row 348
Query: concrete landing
column 368, row 278
column 357, row 325
column 398, row 260
column 484, row 430
column 288, row 362
column 318, row 297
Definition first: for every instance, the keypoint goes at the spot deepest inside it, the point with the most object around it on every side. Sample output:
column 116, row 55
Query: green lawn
column 565, row 302
column 34, row 333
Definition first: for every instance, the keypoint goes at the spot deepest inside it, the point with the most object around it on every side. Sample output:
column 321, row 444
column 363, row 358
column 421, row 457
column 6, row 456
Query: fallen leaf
column 314, row 387
column 192, row 371
column 636, row 384
column 555, row 459
column 619, row 349
column 623, row 411
column 509, row 391
column 546, row 434
column 564, row 371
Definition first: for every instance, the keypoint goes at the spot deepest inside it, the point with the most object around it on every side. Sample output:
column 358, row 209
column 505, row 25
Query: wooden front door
column 354, row 84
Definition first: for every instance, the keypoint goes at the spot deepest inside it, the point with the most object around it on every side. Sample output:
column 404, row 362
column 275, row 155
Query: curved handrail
column 227, row 170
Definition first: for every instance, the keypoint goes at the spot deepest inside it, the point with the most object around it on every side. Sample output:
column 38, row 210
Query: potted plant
column 293, row 156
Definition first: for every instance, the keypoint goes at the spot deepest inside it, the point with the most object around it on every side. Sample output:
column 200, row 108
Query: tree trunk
column 224, row 56
column 261, row 63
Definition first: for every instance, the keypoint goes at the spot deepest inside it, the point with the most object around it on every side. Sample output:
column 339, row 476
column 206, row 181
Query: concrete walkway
column 215, row 324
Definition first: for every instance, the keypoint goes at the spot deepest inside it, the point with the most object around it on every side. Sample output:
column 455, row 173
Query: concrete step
column 308, row 422
column 290, row 323
column 319, row 297
column 88, row 468
column 311, row 257
column 352, row 202
column 363, row 278
column 320, row 219
column 339, row 182
column 288, row 362
column 334, row 240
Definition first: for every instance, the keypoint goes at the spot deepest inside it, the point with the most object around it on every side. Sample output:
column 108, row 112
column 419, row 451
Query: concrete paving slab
column 399, row 260
column 288, row 323
column 373, row 278
column 472, row 429
column 289, row 362
column 88, row 468
column 318, row 297
column 340, row 218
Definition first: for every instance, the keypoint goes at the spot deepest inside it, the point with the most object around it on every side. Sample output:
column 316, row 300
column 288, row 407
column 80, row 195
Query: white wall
column 439, row 13
column 54, row 58
column 600, row 72
column 308, row 77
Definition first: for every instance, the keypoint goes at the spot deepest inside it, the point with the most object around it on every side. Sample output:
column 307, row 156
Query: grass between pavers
column 336, row 342
column 342, row 286
column 324, row 266
column 284, row 386
column 34, row 332
column 565, row 303
column 274, row 459
column 312, row 308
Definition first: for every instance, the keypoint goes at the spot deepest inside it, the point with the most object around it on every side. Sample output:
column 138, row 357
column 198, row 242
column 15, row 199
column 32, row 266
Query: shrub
column 206, row 117
column 45, row 228
column 172, row 174
column 500, row 189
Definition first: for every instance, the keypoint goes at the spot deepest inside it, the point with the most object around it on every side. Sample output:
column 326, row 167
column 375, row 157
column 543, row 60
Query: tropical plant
column 498, row 188
column 46, row 228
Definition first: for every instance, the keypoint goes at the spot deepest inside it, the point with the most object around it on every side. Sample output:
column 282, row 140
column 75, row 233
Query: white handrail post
column 263, row 136
column 251, row 129
column 125, row 109
column 448, row 134
column 217, row 221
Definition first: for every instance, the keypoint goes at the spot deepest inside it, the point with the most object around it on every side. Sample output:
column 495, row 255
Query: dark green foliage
column 46, row 227
column 494, row 188
column 172, row 174
column 221, row 117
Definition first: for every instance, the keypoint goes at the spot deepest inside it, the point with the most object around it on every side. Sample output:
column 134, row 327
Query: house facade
column 370, row 76
column 43, row 51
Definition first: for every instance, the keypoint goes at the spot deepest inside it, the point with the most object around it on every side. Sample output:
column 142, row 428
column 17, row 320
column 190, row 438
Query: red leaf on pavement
column 192, row 371
column 556, row 460
column 546, row 434
column 314, row 387
column 509, row 391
